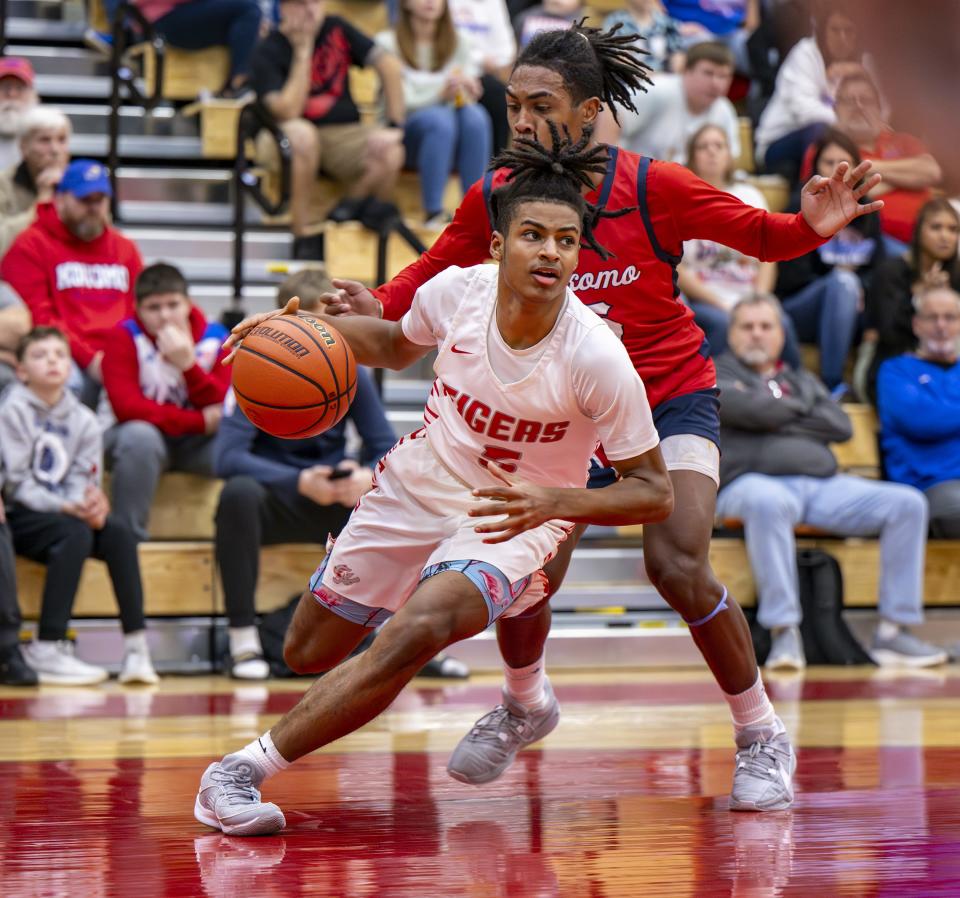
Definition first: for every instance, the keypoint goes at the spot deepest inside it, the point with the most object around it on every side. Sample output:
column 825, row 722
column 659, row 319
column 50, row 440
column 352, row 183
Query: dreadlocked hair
column 592, row 63
column 553, row 174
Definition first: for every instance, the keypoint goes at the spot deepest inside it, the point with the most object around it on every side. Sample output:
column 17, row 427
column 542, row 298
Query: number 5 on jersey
column 505, row 458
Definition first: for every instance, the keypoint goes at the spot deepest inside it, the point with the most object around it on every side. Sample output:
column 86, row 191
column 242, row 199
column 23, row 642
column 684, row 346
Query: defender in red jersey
column 562, row 78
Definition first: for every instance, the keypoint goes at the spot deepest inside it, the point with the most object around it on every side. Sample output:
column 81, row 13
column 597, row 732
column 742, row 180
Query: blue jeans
column 715, row 322
column 438, row 138
column 234, row 24
column 825, row 313
column 770, row 507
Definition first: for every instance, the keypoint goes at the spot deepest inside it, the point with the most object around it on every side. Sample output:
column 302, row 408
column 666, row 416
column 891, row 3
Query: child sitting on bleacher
column 51, row 452
column 162, row 373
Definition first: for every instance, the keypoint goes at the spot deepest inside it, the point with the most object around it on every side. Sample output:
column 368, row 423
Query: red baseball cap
column 17, row 67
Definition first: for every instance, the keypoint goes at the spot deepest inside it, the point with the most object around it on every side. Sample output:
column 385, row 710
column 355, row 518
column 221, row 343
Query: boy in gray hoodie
column 52, row 452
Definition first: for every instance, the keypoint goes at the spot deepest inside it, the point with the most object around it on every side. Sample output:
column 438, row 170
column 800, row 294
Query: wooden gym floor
column 626, row 798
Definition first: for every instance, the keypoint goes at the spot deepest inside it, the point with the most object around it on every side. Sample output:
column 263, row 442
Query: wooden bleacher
column 180, row 575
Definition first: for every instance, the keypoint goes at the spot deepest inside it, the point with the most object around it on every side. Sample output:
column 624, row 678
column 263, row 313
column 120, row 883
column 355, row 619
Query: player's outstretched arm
column 378, row 343
column 829, row 204
column 643, row 495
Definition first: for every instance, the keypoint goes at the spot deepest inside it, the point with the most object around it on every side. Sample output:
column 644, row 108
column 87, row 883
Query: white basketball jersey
column 539, row 427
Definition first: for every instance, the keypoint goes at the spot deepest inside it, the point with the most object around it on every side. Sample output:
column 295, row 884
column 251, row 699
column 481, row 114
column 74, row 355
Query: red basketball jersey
column 635, row 289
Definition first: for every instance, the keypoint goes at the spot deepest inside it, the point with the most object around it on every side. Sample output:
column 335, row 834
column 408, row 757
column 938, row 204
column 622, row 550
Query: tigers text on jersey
column 635, row 289
column 582, row 388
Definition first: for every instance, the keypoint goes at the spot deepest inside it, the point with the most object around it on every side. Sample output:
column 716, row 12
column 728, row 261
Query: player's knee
column 680, row 578
column 413, row 641
column 304, row 656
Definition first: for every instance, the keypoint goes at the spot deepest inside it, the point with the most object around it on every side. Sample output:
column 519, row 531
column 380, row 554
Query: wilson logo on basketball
column 328, row 338
column 281, row 339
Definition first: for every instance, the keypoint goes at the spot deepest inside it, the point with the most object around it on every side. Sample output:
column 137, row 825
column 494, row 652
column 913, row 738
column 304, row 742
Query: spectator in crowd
column 908, row 169
column 918, row 401
column 802, row 105
column 446, row 129
column 45, row 152
column 301, row 73
column 162, row 374
column 931, row 261
column 731, row 22
column 14, row 670
column 51, row 453
column 485, row 25
column 647, row 18
column 676, row 106
column 777, row 471
column 711, row 276
column 17, row 97
column 14, row 323
column 823, row 291
column 280, row 491
column 75, row 271
column 546, row 16
column 198, row 24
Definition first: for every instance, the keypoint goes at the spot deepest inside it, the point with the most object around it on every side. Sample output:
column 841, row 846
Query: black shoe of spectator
column 379, row 215
column 445, row 667
column 308, row 248
column 350, row 208
column 14, row 670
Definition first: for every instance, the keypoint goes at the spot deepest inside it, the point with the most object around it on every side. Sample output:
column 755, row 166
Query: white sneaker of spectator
column 55, row 663
column 137, row 666
column 246, row 655
column 903, row 649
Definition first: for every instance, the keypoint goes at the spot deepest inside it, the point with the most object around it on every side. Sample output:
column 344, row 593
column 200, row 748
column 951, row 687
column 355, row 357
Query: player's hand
column 177, row 347
column 351, row 298
column 315, row 484
column 348, row 490
column 212, row 416
column 251, row 321
column 526, row 505
column 829, row 204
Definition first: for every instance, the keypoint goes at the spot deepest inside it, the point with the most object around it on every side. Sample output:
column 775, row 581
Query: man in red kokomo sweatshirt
column 74, row 270
column 163, row 376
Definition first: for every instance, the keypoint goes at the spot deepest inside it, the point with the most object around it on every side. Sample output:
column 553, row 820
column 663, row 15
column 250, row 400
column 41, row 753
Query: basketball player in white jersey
column 465, row 510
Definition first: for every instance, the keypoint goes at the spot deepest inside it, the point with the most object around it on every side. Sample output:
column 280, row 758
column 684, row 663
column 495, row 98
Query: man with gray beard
column 17, row 97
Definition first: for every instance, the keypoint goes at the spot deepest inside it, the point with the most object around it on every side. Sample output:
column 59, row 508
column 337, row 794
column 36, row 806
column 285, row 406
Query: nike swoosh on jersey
column 460, row 351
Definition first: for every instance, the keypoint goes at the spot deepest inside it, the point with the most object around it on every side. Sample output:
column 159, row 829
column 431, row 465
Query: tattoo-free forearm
column 375, row 342
column 636, row 499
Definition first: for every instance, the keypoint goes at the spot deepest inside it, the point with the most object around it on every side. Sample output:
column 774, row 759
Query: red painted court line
column 89, row 703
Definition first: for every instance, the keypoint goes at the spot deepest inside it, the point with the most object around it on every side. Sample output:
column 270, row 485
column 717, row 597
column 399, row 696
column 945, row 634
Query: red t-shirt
column 634, row 290
column 900, row 206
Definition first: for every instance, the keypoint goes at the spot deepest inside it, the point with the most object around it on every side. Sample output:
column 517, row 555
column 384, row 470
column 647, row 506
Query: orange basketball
column 294, row 376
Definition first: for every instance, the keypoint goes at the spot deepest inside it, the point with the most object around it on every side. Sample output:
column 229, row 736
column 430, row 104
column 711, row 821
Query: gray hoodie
column 49, row 456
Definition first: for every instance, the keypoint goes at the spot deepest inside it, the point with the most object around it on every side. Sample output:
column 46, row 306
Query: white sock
column 244, row 640
column 525, row 684
column 751, row 708
column 887, row 629
column 264, row 755
column 136, row 642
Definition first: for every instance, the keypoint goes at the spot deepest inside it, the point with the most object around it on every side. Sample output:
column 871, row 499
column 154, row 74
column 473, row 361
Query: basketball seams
column 305, row 329
column 298, row 421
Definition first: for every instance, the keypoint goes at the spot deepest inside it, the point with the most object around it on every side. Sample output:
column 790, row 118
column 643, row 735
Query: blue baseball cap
column 83, row 177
